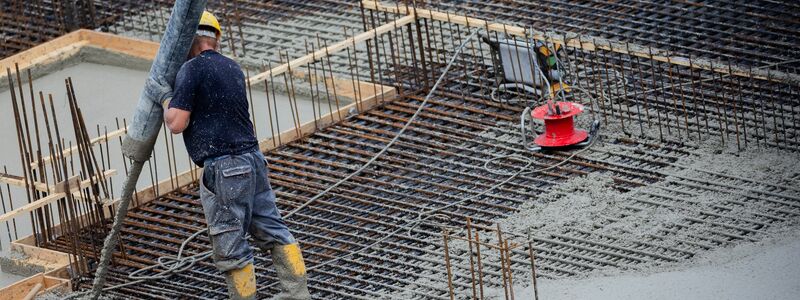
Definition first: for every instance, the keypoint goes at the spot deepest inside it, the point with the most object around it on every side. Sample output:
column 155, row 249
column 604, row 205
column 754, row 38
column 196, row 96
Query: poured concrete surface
column 7, row 279
column 769, row 270
column 660, row 227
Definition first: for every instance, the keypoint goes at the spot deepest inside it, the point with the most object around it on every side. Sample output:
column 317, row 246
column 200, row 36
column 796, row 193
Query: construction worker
column 209, row 106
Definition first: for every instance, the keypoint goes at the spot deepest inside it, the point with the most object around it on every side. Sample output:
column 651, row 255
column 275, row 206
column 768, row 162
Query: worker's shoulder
column 209, row 60
column 190, row 64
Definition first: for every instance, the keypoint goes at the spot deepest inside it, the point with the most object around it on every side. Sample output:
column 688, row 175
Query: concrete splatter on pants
column 237, row 198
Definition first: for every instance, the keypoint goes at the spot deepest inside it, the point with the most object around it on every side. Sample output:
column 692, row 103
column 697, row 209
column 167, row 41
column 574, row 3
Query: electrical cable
column 507, row 86
column 178, row 263
column 170, row 264
column 396, row 137
column 430, row 213
column 424, row 216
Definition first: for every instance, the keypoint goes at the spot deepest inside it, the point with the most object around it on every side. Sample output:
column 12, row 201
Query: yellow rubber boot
column 241, row 283
column 291, row 270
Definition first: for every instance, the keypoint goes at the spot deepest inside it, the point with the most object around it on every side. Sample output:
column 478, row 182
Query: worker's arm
column 178, row 109
column 176, row 119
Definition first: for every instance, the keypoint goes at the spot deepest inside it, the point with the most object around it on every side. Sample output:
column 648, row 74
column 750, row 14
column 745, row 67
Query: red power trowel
column 533, row 67
column 559, row 126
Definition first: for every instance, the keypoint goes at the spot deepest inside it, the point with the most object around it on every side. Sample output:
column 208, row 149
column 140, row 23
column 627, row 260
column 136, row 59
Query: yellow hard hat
column 210, row 21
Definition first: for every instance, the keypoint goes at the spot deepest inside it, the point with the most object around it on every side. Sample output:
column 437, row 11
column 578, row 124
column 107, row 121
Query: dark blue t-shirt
column 212, row 87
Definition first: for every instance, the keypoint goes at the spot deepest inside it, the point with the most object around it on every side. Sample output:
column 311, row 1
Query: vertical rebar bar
column 533, row 271
column 445, row 235
column 502, row 261
column 471, row 260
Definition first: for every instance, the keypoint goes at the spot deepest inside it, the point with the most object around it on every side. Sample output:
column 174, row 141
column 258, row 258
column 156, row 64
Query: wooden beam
column 308, row 58
column 31, row 206
column 54, row 196
column 36, row 54
column 86, row 183
column 592, row 43
column 115, row 43
column 56, row 48
column 32, row 293
column 49, row 259
column 291, row 134
column 20, row 181
column 68, row 45
column 100, row 139
column 40, row 186
column 368, row 101
column 68, row 185
column 24, row 288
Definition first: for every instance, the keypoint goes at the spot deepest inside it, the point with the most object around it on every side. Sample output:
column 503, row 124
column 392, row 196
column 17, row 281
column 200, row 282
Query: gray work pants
column 237, row 199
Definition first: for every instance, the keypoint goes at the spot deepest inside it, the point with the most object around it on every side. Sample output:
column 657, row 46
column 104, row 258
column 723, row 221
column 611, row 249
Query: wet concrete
column 7, row 279
column 767, row 270
column 594, row 203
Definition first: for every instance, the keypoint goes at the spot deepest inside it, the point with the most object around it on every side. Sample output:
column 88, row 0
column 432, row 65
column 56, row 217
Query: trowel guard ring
column 559, row 129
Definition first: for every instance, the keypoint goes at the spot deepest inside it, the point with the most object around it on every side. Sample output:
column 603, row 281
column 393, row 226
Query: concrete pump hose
column 146, row 123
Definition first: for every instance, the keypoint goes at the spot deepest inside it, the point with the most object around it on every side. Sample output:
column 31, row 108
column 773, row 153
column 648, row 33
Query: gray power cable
column 423, row 216
column 396, row 137
column 177, row 264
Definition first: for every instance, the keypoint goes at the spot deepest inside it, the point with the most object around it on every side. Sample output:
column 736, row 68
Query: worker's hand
column 160, row 88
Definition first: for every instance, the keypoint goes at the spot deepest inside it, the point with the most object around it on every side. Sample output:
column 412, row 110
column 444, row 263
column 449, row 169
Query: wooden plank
column 40, row 186
column 57, row 48
column 592, row 43
column 50, row 259
column 326, row 120
column 20, row 181
column 52, row 197
column 370, row 100
column 30, row 57
column 100, row 139
column 120, row 44
column 68, row 45
column 20, row 289
column 55, row 263
column 86, row 183
column 31, row 206
column 67, row 185
column 324, row 52
column 35, row 290
column 56, row 55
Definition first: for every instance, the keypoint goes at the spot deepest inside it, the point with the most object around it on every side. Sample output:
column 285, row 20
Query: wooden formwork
column 29, row 287
column 71, row 44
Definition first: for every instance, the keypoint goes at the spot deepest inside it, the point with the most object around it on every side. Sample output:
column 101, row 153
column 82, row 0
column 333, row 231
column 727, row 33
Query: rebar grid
column 752, row 33
column 658, row 116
